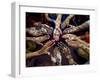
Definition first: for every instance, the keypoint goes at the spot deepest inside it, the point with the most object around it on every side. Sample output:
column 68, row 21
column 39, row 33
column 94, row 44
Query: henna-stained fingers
column 83, row 26
column 66, row 51
column 76, row 42
column 67, row 21
column 39, row 29
column 38, row 39
column 47, row 46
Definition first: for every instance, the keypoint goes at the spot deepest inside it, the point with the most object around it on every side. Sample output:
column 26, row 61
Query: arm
column 33, row 54
column 74, row 29
column 66, row 22
column 66, row 51
column 43, row 50
column 57, row 30
column 39, row 39
column 77, row 43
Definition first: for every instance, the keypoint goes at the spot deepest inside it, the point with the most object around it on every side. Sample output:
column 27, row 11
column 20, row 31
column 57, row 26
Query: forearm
column 58, row 21
column 33, row 54
column 38, row 39
column 66, row 22
column 69, row 57
column 83, row 45
column 70, row 60
column 83, row 26
column 83, row 53
column 85, row 48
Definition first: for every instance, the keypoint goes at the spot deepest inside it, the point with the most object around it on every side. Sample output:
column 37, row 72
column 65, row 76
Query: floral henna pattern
column 59, row 42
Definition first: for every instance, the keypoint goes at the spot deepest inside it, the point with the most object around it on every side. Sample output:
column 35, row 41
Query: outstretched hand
column 57, row 33
column 47, row 46
column 72, row 40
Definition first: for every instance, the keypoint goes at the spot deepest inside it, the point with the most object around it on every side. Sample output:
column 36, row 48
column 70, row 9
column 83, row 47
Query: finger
column 73, row 44
column 50, row 46
column 49, row 43
column 64, row 36
column 60, row 30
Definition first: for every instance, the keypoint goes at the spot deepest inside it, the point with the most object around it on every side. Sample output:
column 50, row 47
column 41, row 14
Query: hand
column 69, row 29
column 74, row 44
column 70, row 37
column 47, row 46
column 42, row 51
column 72, row 40
column 57, row 33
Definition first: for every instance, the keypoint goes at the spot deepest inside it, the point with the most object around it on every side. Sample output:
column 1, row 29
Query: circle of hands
column 52, row 36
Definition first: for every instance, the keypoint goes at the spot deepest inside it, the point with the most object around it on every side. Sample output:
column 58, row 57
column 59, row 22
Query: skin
column 66, row 22
column 39, row 29
column 71, row 39
column 76, row 42
column 56, row 34
column 67, row 53
column 74, row 29
column 39, row 39
column 57, row 31
column 56, row 57
column 42, row 51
